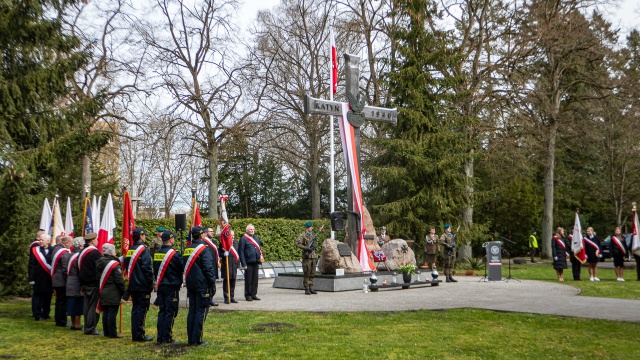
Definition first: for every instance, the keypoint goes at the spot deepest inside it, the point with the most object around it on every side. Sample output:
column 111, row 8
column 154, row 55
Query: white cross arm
column 327, row 107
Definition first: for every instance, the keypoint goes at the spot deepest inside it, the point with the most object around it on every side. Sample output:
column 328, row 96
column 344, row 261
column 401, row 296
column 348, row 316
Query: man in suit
column 39, row 275
column 231, row 258
column 250, row 256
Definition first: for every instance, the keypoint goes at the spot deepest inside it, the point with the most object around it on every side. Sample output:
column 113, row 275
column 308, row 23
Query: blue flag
column 88, row 220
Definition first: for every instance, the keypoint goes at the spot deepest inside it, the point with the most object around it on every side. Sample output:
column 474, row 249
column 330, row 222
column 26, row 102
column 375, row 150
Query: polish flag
column 57, row 227
column 334, row 65
column 68, row 220
column 108, row 223
column 197, row 220
column 577, row 245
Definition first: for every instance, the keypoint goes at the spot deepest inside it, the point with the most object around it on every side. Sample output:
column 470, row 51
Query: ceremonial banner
column 57, row 228
column 68, row 220
column 45, row 218
column 334, row 65
column 197, row 221
column 225, row 230
column 635, row 243
column 108, row 223
column 128, row 224
column 577, row 245
column 87, row 218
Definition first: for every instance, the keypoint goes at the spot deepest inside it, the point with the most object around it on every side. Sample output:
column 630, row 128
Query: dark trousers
column 198, row 310
column 637, row 265
column 251, row 280
column 60, row 312
column 41, row 304
column 140, row 305
column 168, row 303
column 91, row 318
column 575, row 268
column 225, row 289
column 309, row 270
column 109, row 315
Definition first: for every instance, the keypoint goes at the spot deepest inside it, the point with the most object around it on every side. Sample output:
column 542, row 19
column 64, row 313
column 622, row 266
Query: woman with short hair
column 111, row 285
column 75, row 300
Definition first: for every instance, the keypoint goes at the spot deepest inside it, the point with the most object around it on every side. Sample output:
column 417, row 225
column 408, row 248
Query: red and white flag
column 45, row 218
column 635, row 242
column 108, row 223
column 197, row 220
column 68, row 219
column 577, row 245
column 334, row 65
column 57, row 227
column 128, row 224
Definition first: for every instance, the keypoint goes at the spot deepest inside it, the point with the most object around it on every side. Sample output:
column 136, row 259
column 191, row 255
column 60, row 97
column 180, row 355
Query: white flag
column 45, row 218
column 57, row 227
column 577, row 246
column 68, row 220
column 95, row 209
column 635, row 243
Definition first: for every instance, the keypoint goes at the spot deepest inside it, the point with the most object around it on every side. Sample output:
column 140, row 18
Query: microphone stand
column 508, row 256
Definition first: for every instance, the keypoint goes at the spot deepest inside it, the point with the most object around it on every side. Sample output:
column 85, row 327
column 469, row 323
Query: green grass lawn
column 607, row 287
column 451, row 334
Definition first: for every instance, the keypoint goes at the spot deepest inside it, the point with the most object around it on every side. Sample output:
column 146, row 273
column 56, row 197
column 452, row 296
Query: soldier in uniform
column 140, row 274
column 199, row 277
column 448, row 240
column 168, row 267
column 156, row 243
column 306, row 242
column 431, row 249
column 383, row 238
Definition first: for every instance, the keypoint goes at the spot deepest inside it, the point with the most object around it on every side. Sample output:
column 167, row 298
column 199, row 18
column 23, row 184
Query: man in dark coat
column 32, row 262
column 207, row 237
column 39, row 276
column 167, row 266
column 199, row 277
column 59, row 279
column 140, row 274
column 231, row 258
column 109, row 272
column 250, row 257
column 89, row 281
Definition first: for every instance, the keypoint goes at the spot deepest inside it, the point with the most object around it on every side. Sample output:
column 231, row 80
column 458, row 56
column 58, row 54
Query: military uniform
column 168, row 297
column 140, row 285
column 309, row 257
column 447, row 241
column 199, row 280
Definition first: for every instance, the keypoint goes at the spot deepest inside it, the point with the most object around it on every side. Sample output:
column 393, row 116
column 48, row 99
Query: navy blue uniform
column 199, row 282
column 140, row 287
column 168, row 296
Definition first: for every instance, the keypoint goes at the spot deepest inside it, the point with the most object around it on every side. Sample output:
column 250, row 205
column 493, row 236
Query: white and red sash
column 41, row 259
column 72, row 262
column 56, row 258
column 254, row 243
column 134, row 259
column 586, row 240
column 561, row 244
column 234, row 252
column 213, row 246
column 618, row 243
column 164, row 265
column 191, row 260
column 83, row 254
column 104, row 277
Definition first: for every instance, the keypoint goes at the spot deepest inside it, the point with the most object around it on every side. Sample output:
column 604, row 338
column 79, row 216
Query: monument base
column 347, row 282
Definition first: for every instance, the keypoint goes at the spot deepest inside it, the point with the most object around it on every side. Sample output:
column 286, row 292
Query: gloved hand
column 226, row 253
column 555, row 258
column 246, row 267
column 32, row 282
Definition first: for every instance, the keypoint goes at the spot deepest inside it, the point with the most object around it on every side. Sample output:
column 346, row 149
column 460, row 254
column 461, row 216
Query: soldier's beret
column 446, row 226
column 308, row 224
column 160, row 228
column 90, row 236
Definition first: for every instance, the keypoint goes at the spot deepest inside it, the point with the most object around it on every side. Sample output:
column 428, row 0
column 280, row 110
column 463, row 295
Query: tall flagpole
column 332, row 184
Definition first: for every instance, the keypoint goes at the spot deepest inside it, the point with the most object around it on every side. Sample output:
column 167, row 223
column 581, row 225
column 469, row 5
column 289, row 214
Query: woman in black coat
column 592, row 248
column 618, row 251
column 111, row 292
column 559, row 248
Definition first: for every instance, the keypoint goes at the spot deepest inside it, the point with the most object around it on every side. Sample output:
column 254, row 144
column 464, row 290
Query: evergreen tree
column 42, row 138
column 419, row 177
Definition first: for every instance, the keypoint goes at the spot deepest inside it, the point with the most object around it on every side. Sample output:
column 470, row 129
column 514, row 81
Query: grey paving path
column 526, row 296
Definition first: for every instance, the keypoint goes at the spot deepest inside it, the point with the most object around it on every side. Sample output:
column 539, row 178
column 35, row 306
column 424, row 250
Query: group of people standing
column 561, row 250
column 88, row 281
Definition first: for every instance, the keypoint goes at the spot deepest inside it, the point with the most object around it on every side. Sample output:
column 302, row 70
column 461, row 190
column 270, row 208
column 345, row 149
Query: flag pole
column 84, row 212
column 226, row 257
column 332, row 182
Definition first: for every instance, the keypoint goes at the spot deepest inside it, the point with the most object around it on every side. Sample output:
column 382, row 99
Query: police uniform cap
column 160, row 229
column 90, row 236
column 446, row 226
column 308, row 224
column 166, row 235
column 197, row 230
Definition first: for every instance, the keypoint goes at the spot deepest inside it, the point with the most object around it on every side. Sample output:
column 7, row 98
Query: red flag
column 223, row 225
column 197, row 221
column 128, row 224
column 107, row 225
column 334, row 65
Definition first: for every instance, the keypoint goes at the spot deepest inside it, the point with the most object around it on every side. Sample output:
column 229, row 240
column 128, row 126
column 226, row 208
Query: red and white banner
column 95, row 212
column 197, row 220
column 225, row 230
column 577, row 245
column 334, row 65
column 68, row 220
column 107, row 225
column 635, row 242
column 347, row 132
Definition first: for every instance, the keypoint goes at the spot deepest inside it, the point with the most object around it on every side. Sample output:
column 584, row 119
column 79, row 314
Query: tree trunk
column 467, row 212
column 547, row 217
column 86, row 177
column 213, row 179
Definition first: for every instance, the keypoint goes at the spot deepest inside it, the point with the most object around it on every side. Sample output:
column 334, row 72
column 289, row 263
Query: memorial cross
column 357, row 114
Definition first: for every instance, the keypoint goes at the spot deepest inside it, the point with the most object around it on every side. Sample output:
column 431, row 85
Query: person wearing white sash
column 89, row 281
column 112, row 288
column 40, row 277
column 559, row 252
column 140, row 274
column 168, row 268
column 250, row 256
column 59, row 279
column 75, row 300
column 592, row 248
column 618, row 250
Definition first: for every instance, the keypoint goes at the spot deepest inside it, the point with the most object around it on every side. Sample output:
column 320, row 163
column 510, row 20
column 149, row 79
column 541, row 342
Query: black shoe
column 94, row 332
column 116, row 337
column 452, row 279
column 307, row 292
column 146, row 338
column 448, row 279
column 227, row 302
column 313, row 292
column 214, row 304
column 249, row 299
column 204, row 343
column 255, row 298
column 234, row 301
column 75, row 328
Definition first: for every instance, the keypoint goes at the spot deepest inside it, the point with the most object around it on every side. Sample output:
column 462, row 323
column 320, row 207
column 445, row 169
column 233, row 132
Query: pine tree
column 42, row 138
column 419, row 176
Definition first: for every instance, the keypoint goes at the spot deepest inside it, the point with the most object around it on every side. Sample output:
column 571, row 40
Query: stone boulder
column 368, row 223
column 330, row 259
column 398, row 252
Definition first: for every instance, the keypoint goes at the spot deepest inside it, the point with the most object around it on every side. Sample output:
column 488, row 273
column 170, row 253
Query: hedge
column 278, row 236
